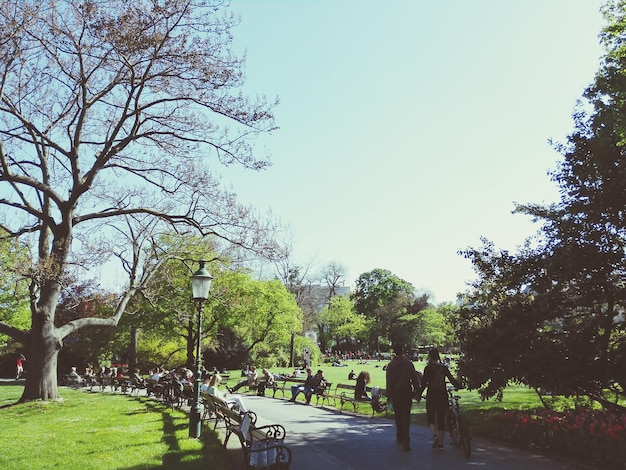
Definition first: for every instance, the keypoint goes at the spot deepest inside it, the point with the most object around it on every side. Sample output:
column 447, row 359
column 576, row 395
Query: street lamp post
column 200, row 285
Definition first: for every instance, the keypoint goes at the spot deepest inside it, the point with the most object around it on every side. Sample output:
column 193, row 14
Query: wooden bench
column 260, row 384
column 105, row 382
column 137, row 384
column 284, row 384
column 73, row 382
column 212, row 408
column 166, row 391
column 280, row 384
column 154, row 387
column 324, row 394
column 125, row 384
column 261, row 387
column 263, row 446
column 345, row 394
column 177, row 393
column 91, row 382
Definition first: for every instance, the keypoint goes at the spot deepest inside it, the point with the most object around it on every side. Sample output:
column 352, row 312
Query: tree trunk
column 43, row 352
column 322, row 337
column 191, row 341
column 132, row 349
column 292, row 350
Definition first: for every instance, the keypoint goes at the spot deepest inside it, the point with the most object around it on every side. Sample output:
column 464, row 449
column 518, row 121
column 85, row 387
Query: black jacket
column 403, row 381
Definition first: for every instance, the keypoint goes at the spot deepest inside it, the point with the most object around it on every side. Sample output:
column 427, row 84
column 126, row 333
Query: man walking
column 403, row 383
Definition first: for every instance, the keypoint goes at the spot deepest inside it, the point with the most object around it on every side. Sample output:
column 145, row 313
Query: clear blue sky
column 409, row 127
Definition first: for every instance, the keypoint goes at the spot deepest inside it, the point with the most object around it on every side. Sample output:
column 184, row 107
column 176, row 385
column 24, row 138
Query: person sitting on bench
column 267, row 382
column 360, row 390
column 250, row 381
column 234, row 403
column 311, row 385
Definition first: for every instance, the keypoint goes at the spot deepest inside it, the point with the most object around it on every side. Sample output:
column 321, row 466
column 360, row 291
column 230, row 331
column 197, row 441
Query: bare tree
column 333, row 278
column 333, row 275
column 296, row 277
column 110, row 114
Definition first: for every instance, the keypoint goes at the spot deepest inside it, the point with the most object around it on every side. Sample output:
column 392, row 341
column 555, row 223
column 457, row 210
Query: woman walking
column 435, row 374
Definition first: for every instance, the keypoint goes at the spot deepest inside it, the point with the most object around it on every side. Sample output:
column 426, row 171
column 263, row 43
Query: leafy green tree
column 382, row 297
column 110, row 115
column 261, row 312
column 340, row 321
column 85, row 348
column 14, row 288
column 229, row 351
column 552, row 315
column 415, row 326
column 244, row 319
column 432, row 328
column 509, row 333
column 450, row 318
column 164, row 309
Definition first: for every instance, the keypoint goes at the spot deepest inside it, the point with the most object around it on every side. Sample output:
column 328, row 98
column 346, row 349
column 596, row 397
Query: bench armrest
column 270, row 431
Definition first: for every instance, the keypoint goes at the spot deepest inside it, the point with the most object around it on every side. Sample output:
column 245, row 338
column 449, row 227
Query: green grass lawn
column 101, row 430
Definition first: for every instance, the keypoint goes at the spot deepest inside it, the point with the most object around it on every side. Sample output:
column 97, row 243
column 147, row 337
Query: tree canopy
column 340, row 322
column 111, row 115
column 552, row 314
column 14, row 292
column 382, row 297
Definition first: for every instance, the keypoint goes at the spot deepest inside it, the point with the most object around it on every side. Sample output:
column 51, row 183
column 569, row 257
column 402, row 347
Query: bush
column 595, row 437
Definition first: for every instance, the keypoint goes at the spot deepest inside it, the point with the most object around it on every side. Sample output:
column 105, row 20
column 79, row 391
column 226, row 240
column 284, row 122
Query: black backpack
column 438, row 382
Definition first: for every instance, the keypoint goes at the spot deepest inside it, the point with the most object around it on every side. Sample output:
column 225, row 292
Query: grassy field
column 101, row 430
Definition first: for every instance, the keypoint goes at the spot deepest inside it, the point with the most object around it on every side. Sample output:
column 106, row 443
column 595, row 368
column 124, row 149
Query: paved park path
column 324, row 439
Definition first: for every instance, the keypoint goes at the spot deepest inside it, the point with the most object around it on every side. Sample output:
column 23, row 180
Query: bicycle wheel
column 464, row 438
column 466, row 445
column 454, row 429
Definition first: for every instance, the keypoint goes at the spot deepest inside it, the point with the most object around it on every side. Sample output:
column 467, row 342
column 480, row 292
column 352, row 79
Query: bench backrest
column 208, row 400
column 218, row 402
column 346, row 387
column 233, row 416
column 381, row 391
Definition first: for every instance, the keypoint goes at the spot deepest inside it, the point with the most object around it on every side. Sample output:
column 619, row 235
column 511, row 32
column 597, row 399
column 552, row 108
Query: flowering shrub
column 591, row 436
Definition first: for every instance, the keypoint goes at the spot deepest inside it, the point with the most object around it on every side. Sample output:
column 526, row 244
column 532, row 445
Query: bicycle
column 457, row 426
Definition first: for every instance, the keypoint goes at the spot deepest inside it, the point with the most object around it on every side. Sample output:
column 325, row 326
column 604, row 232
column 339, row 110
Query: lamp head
column 201, row 283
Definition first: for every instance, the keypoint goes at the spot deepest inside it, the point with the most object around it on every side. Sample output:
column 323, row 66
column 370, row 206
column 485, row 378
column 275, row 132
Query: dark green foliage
column 228, row 351
column 383, row 297
column 552, row 315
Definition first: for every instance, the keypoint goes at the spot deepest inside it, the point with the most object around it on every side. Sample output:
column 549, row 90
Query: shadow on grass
column 211, row 453
column 179, row 453
column 12, row 382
